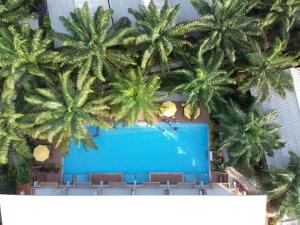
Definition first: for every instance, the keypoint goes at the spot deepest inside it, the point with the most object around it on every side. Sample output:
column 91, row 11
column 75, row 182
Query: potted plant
column 52, row 167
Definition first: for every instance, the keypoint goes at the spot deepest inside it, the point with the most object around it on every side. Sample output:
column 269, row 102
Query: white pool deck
column 211, row 190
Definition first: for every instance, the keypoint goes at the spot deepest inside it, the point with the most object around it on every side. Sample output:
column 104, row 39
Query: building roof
column 289, row 117
column 59, row 8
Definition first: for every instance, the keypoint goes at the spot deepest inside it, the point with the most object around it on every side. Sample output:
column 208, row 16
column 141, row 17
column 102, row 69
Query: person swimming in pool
column 163, row 130
column 175, row 129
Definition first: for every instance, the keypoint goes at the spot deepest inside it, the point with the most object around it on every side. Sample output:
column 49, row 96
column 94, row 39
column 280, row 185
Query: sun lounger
column 116, row 184
column 48, row 184
column 151, row 185
column 185, row 185
column 96, row 178
column 83, row 185
column 163, row 178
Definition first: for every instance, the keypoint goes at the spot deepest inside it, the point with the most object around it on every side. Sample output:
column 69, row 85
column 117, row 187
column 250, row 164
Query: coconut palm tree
column 282, row 14
column 12, row 11
column 266, row 72
column 133, row 95
column 227, row 25
column 25, row 58
column 247, row 136
column 91, row 44
column 65, row 113
column 205, row 83
column 283, row 188
column 156, row 34
column 12, row 138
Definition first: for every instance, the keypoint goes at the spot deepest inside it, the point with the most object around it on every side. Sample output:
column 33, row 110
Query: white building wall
column 133, row 210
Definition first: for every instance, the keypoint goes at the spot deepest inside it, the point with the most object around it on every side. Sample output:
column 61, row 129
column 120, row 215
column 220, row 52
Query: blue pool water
column 139, row 150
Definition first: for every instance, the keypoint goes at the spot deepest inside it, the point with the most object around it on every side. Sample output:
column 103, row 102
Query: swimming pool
column 142, row 149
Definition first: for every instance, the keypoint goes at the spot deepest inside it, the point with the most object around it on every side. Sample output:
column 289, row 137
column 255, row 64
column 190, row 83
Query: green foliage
column 7, row 185
column 134, row 94
column 24, row 172
column 91, row 45
column 7, row 180
column 283, row 188
column 247, row 136
column 12, row 138
column 156, row 34
column 47, row 23
column 11, row 11
column 65, row 112
column 227, row 26
column 205, row 84
column 25, row 58
column 282, row 15
column 52, row 167
column 266, row 72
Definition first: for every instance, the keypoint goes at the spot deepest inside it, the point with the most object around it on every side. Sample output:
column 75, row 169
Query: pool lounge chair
column 48, row 185
column 185, row 185
column 83, row 185
column 96, row 178
column 163, row 178
column 116, row 184
column 151, row 185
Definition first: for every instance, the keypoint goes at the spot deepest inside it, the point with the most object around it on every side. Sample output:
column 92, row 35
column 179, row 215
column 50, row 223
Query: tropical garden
column 101, row 74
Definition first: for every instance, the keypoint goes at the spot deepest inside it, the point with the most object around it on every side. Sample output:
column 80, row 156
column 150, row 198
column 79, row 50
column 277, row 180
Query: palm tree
column 91, row 45
column 282, row 13
column 266, row 72
column 283, row 188
column 227, row 25
column 12, row 138
column 65, row 113
column 25, row 58
column 134, row 94
column 247, row 136
column 156, row 34
column 205, row 83
column 12, row 11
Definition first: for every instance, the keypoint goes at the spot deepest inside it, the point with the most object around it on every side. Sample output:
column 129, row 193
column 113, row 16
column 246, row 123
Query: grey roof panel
column 289, row 117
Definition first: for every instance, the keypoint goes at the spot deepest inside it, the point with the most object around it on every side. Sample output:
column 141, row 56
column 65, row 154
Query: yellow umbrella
column 168, row 109
column 41, row 153
column 188, row 112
